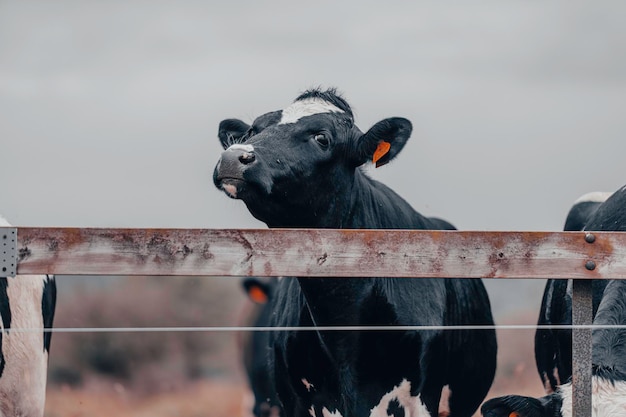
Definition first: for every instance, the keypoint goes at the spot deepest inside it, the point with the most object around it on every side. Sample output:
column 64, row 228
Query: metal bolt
column 590, row 265
column 590, row 238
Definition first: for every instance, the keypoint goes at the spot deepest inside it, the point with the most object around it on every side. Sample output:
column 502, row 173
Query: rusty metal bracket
column 8, row 251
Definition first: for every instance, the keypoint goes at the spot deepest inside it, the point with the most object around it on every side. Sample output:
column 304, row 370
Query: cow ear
column 257, row 291
column 231, row 131
column 383, row 141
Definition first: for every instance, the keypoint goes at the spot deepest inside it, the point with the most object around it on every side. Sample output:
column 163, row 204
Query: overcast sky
column 109, row 110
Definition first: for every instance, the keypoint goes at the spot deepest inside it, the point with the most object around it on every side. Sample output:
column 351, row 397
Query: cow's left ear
column 231, row 131
column 383, row 141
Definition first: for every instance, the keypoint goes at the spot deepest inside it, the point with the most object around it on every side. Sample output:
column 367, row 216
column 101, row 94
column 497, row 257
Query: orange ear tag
column 514, row 414
column 257, row 295
column 381, row 150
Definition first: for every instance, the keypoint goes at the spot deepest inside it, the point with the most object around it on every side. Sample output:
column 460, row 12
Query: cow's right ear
column 231, row 131
column 257, row 291
column 383, row 141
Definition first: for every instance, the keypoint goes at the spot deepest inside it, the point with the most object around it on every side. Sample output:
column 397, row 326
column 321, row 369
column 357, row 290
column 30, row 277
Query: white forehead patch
column 241, row 147
column 594, row 197
column 307, row 107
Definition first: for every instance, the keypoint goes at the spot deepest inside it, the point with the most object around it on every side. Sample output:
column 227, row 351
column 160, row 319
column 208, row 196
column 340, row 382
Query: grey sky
column 109, row 110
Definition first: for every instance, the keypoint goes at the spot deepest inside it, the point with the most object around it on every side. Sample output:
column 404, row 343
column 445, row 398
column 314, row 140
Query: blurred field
column 186, row 374
column 208, row 398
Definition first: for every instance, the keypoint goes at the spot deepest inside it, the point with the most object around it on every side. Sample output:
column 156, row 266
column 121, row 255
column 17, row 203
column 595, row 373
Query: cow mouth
column 231, row 186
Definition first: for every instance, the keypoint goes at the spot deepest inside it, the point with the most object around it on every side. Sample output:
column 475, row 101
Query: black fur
column 48, row 307
column 5, row 311
column 548, row 406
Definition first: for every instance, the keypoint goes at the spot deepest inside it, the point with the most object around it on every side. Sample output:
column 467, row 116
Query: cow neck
column 373, row 205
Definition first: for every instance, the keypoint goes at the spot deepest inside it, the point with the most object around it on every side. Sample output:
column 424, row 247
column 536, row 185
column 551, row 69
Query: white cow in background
column 26, row 302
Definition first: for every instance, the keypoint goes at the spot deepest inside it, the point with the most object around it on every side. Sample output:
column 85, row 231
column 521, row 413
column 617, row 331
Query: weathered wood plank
column 300, row 252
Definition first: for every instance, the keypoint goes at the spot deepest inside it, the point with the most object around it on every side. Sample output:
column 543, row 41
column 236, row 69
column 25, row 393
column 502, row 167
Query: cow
column 255, row 348
column 553, row 348
column 582, row 210
column 302, row 167
column 26, row 302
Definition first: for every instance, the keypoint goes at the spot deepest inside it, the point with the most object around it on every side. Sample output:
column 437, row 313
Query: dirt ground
column 217, row 398
column 198, row 400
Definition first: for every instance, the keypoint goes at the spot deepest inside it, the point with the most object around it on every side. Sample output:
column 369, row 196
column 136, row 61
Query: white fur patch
column 307, row 384
column 413, row 406
column 607, row 399
column 327, row 413
column 594, row 197
column 307, row 107
column 566, row 398
column 241, row 147
column 23, row 382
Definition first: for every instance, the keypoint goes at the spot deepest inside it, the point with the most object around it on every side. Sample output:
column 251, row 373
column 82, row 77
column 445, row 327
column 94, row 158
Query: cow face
column 293, row 166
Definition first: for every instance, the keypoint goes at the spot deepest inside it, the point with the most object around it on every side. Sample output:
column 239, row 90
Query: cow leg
column 433, row 375
column 284, row 390
column 464, row 399
column 471, row 373
column 430, row 398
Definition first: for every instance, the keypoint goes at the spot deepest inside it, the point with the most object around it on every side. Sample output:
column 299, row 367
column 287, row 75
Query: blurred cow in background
column 553, row 347
column 27, row 302
column 255, row 348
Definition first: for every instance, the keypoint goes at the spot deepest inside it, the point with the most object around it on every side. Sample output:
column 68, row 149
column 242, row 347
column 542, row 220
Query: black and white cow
column 301, row 167
column 26, row 302
column 553, row 348
column 255, row 348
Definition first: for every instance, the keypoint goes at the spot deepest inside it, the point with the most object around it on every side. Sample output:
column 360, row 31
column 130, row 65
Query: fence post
column 582, row 311
column 8, row 251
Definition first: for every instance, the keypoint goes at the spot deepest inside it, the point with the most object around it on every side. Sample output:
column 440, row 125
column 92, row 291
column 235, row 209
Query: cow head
column 293, row 165
column 520, row 406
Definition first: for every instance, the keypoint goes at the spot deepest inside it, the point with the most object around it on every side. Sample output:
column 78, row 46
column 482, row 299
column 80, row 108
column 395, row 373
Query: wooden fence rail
column 337, row 253
column 319, row 252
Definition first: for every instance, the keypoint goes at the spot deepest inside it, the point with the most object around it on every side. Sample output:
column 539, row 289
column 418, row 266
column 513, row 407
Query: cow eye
column 322, row 140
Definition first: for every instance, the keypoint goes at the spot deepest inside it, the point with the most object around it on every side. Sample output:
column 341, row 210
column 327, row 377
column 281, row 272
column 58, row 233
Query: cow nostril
column 247, row 157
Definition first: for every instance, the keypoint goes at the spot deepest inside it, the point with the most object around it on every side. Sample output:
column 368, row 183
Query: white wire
column 309, row 328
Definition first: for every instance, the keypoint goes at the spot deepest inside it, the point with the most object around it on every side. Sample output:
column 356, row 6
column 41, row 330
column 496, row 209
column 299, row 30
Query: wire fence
column 581, row 256
column 313, row 328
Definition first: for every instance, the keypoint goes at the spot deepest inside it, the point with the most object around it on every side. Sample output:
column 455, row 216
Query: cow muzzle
column 228, row 174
